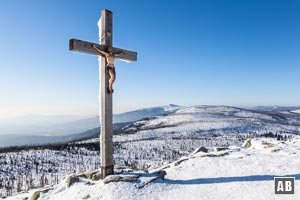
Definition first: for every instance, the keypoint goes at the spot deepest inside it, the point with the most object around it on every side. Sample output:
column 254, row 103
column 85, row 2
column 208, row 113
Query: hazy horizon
column 133, row 109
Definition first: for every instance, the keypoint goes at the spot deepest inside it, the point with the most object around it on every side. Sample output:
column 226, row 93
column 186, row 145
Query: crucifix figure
column 110, row 66
column 107, row 73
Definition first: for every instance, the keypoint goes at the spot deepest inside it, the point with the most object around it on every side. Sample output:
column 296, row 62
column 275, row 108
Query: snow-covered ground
column 24, row 170
column 147, row 143
column 157, row 139
column 201, row 120
column 234, row 173
column 296, row 111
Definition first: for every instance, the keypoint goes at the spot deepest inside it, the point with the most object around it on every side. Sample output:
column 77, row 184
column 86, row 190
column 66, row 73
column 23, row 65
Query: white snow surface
column 200, row 120
column 296, row 111
column 235, row 173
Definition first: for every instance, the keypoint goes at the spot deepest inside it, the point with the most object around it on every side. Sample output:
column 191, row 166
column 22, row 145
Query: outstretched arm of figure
column 119, row 53
column 99, row 51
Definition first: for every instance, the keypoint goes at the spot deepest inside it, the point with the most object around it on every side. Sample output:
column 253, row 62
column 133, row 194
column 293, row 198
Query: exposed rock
column 97, row 176
column 222, row 154
column 267, row 144
column 161, row 174
column 117, row 178
column 89, row 183
column 275, row 150
column 86, row 197
column 44, row 190
column 35, row 195
column 88, row 175
column 203, row 149
column 71, row 180
column 247, row 144
column 220, row 148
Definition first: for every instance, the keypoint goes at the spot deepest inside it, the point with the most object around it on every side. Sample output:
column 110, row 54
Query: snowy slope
column 236, row 173
column 146, row 112
column 201, row 120
column 276, row 108
column 153, row 141
column 158, row 139
column 296, row 111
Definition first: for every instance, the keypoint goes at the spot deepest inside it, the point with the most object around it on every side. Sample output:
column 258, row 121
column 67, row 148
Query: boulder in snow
column 97, row 176
column 71, row 180
column 247, row 144
column 267, row 145
column 161, row 174
column 220, row 148
column 117, row 178
column 201, row 149
column 37, row 193
column 88, row 175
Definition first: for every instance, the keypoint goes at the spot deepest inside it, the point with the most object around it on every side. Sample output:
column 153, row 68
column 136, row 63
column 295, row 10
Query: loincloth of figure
column 111, row 67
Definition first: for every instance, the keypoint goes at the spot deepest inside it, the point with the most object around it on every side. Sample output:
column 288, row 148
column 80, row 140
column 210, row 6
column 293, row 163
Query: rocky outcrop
column 117, row 178
column 247, row 144
column 37, row 193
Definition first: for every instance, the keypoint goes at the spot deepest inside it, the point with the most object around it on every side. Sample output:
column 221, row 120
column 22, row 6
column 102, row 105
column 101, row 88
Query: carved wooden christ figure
column 110, row 66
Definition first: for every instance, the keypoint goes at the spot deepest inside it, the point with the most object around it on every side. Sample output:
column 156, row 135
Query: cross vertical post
column 105, row 98
column 105, row 113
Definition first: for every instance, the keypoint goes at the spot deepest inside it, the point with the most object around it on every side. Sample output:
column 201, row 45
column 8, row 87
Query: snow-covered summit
column 145, row 112
column 233, row 173
column 171, row 107
column 296, row 111
column 200, row 120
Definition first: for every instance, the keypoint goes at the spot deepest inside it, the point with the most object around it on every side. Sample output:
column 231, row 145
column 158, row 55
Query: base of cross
column 107, row 170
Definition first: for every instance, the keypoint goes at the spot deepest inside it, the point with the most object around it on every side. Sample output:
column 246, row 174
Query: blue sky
column 240, row 53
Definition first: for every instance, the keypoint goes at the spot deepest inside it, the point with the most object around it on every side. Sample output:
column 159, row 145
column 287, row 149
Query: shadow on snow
column 225, row 179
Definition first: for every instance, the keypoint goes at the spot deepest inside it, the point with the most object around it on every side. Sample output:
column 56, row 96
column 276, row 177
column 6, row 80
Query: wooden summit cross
column 105, row 113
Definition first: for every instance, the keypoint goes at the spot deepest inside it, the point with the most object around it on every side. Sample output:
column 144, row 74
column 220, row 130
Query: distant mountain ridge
column 146, row 112
column 66, row 125
column 276, row 108
column 175, row 121
column 71, row 128
column 200, row 120
column 19, row 140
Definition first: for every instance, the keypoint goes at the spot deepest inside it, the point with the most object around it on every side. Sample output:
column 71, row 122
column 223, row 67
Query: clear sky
column 240, row 53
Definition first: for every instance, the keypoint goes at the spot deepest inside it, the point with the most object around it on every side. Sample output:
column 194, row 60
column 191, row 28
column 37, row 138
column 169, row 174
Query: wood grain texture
column 87, row 47
column 106, row 99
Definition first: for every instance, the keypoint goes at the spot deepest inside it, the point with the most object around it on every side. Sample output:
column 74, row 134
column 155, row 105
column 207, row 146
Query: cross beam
column 87, row 47
column 106, row 105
